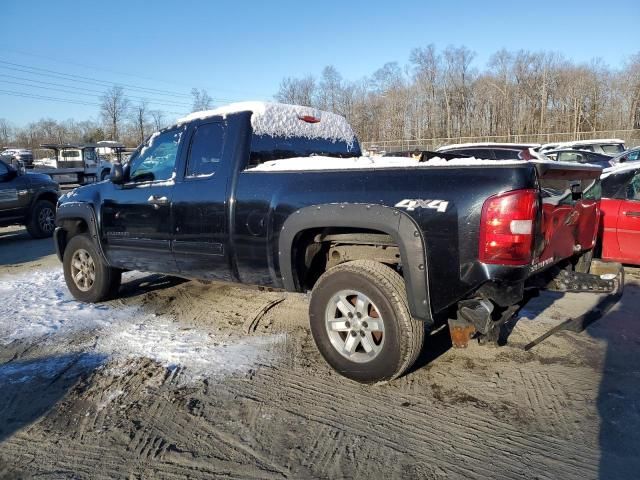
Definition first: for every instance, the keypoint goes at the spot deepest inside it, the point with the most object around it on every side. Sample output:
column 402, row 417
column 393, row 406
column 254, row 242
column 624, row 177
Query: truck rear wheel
column 361, row 324
column 42, row 220
column 87, row 277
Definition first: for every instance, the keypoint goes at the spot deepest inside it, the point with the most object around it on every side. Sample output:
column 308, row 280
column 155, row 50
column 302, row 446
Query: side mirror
column 116, row 175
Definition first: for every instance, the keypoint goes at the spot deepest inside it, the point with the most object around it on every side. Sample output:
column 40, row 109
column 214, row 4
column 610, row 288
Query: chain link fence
column 630, row 137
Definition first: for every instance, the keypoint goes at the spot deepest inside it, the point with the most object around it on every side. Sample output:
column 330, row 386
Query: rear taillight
column 507, row 227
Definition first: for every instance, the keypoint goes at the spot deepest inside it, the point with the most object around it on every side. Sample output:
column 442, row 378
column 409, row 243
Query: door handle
column 631, row 214
column 157, row 201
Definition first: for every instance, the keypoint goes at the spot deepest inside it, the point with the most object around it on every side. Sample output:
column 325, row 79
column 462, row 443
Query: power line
column 61, row 100
column 42, row 97
column 93, row 81
column 129, row 74
column 95, row 92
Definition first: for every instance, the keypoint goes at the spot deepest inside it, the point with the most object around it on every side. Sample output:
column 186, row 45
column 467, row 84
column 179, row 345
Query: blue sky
column 241, row 50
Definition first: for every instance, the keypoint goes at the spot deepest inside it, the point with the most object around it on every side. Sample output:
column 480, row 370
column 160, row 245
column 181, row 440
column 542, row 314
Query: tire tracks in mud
column 468, row 442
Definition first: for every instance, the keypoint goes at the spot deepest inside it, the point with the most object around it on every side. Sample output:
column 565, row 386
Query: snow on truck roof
column 279, row 119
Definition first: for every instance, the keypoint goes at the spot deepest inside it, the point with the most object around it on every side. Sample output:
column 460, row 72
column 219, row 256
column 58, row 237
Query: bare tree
column 139, row 117
column 114, row 109
column 201, row 100
column 6, row 132
column 158, row 119
column 297, row 91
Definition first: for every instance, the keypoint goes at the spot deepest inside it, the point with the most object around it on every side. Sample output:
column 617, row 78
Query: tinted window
column 614, row 148
column 505, row 154
column 205, row 152
column 482, row 153
column 156, row 160
column 70, row 154
column 588, row 148
column 633, row 156
column 267, row 147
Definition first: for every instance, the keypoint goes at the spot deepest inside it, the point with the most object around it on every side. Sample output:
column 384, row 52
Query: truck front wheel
column 88, row 278
column 361, row 324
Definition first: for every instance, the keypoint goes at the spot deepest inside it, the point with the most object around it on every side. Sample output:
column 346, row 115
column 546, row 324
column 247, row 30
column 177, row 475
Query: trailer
column 73, row 163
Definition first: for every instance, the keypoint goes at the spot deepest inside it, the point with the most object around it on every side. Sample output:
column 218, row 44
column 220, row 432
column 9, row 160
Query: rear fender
column 400, row 226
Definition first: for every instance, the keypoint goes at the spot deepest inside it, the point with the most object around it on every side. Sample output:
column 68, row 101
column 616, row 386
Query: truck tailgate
column 569, row 221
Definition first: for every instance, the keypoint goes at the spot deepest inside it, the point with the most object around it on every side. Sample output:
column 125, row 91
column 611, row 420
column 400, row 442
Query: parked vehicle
column 579, row 156
column 492, row 151
column 74, row 163
column 279, row 195
column 18, row 157
column 609, row 146
column 27, row 199
column 620, row 226
column 631, row 155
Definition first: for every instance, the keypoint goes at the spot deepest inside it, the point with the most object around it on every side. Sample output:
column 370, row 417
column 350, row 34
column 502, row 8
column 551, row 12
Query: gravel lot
column 180, row 379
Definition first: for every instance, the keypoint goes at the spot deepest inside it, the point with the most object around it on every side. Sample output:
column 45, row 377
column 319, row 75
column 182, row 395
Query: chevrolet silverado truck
column 280, row 196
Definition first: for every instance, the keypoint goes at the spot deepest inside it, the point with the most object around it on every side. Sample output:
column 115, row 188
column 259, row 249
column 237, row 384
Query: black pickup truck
column 27, row 199
column 279, row 195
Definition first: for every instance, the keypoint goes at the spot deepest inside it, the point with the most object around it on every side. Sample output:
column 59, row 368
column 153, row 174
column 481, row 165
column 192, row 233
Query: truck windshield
column 267, row 147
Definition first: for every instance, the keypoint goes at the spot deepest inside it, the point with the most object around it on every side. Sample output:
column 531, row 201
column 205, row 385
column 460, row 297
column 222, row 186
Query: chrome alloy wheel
column 83, row 270
column 355, row 326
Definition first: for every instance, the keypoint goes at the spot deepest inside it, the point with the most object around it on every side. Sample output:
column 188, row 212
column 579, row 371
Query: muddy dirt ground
column 184, row 380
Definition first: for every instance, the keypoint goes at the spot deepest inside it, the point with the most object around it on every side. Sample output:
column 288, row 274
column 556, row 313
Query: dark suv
column 27, row 199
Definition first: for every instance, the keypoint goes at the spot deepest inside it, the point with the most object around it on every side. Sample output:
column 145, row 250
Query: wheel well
column 318, row 249
column 70, row 227
column 49, row 196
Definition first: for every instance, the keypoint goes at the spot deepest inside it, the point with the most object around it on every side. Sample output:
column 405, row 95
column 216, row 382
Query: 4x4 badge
column 412, row 204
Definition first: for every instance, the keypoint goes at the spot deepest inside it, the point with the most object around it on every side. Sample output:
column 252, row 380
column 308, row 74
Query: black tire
column 104, row 175
column 106, row 282
column 403, row 335
column 42, row 218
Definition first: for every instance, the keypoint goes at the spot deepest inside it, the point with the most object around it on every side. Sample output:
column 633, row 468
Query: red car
column 620, row 207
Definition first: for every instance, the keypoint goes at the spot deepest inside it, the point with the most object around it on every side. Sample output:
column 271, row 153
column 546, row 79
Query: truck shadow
column 29, row 389
column 149, row 283
column 17, row 246
column 618, row 399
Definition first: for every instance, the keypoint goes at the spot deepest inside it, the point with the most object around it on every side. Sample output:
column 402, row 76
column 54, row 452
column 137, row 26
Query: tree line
column 120, row 119
column 437, row 94
column 442, row 94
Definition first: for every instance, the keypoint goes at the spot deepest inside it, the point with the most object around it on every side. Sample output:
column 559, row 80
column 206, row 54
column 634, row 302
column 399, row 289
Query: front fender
column 78, row 211
column 400, row 226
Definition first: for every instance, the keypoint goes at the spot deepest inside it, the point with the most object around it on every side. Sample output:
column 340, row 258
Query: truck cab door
column 201, row 234
column 137, row 215
column 14, row 194
column 628, row 228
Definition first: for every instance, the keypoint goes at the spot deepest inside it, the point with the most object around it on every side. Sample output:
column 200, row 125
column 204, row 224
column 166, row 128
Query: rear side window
column 205, row 151
column 267, row 147
column 614, row 148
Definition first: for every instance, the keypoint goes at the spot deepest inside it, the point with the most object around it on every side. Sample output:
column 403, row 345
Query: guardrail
column 631, row 138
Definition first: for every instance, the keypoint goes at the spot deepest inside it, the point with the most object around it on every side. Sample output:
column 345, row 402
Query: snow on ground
column 37, row 305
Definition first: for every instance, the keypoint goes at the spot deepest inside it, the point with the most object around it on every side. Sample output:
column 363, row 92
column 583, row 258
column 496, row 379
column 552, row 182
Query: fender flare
column 400, row 226
column 76, row 211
